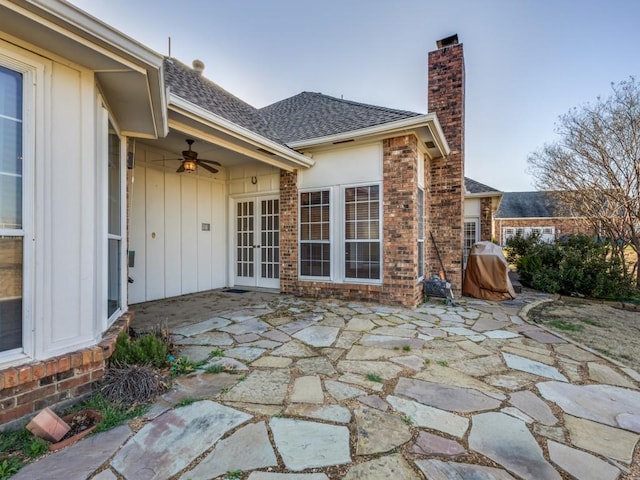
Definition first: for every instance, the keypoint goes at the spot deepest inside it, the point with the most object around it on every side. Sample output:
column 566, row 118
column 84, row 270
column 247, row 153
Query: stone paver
column 430, row 417
column 383, row 468
column 445, row 397
column 508, row 442
column 439, row 470
column 318, row 336
column 307, row 390
column 303, row 444
column 602, row 439
column 600, row 403
column 580, row 464
column 531, row 366
column 607, row 375
column 533, row 406
column 306, row 397
column 262, row 386
column 173, row 440
column 379, row 432
column 78, row 460
column 287, row 476
column 247, row 449
column 430, row 444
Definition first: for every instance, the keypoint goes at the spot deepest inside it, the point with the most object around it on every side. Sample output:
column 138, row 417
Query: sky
column 527, row 61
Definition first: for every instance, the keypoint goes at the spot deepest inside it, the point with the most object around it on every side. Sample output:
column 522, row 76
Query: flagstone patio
column 325, row 390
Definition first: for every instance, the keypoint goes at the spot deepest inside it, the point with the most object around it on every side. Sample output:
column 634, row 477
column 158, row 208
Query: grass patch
column 589, row 321
column 443, row 363
column 187, row 401
column 406, row 348
column 233, row 475
column 408, row 420
column 112, row 414
column 184, row 366
column 562, row 325
column 374, row 377
column 214, row 369
column 218, row 352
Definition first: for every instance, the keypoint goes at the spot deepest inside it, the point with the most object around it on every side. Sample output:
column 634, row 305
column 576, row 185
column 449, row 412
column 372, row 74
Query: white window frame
column 102, row 135
column 33, row 78
column 376, row 281
column 330, row 242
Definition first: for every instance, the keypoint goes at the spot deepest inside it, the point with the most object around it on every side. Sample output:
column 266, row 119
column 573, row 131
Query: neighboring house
column 480, row 203
column 313, row 195
column 526, row 212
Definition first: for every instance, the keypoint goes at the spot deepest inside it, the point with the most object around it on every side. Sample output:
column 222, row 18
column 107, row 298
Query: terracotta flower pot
column 48, row 425
column 93, row 417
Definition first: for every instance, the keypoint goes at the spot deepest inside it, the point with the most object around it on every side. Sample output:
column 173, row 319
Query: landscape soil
column 604, row 327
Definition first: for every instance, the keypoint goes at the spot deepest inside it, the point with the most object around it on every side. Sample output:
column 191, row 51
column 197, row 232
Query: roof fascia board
column 215, row 139
column 428, row 120
column 95, row 29
column 483, row 194
column 195, row 112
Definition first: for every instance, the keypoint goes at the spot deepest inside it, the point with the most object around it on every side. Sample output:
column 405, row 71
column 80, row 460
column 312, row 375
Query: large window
column 470, row 238
column 114, row 237
column 362, row 232
column 11, row 226
column 315, row 238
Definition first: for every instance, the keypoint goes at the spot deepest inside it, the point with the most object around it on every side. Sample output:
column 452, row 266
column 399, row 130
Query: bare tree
column 594, row 168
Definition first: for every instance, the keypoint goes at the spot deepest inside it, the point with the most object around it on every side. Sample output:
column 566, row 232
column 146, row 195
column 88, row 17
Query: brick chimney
column 446, row 175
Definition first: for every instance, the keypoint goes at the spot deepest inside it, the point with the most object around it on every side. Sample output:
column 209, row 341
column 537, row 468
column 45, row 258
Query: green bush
column 145, row 350
column 574, row 265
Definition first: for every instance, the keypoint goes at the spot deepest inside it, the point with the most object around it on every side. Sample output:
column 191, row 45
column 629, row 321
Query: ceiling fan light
column 189, row 166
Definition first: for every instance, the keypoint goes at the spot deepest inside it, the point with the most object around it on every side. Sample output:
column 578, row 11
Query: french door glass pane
column 114, row 273
column 114, row 184
column 10, row 293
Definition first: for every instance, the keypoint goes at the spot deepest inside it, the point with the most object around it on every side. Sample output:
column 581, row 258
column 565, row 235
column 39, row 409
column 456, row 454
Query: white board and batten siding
column 178, row 225
column 64, row 306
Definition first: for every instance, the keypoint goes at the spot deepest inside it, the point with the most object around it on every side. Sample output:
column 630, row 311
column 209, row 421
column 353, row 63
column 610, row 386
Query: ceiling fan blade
column 207, row 167
column 210, row 161
column 180, row 168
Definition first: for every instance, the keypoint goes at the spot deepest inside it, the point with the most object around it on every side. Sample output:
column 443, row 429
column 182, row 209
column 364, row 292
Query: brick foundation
column 27, row 389
column 486, row 217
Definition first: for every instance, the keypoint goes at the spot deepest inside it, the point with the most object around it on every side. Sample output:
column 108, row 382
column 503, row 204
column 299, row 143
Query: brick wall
column 446, row 185
column 400, row 270
column 486, row 217
column 289, row 232
column 563, row 226
column 58, row 381
column 400, row 226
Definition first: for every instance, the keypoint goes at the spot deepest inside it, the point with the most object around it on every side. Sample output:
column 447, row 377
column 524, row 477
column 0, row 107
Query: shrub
column 145, row 350
column 574, row 265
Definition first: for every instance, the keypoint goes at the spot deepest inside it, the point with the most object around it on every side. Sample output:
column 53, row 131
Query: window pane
column 362, row 260
column 114, row 183
column 10, row 149
column 114, row 276
column 315, row 234
column 10, row 293
column 10, row 201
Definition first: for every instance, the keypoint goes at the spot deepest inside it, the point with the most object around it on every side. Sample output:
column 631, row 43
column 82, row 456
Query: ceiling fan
column 190, row 161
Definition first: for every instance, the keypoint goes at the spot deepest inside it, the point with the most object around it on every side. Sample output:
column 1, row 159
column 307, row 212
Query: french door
column 257, row 242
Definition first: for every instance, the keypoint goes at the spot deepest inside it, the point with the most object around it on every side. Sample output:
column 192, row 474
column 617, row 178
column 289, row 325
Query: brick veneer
column 400, row 271
column 486, row 212
column 563, row 226
column 446, row 186
column 27, row 389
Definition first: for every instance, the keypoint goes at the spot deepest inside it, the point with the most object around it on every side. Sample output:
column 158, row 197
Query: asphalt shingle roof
column 473, row 186
column 311, row 115
column 529, row 205
column 199, row 90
